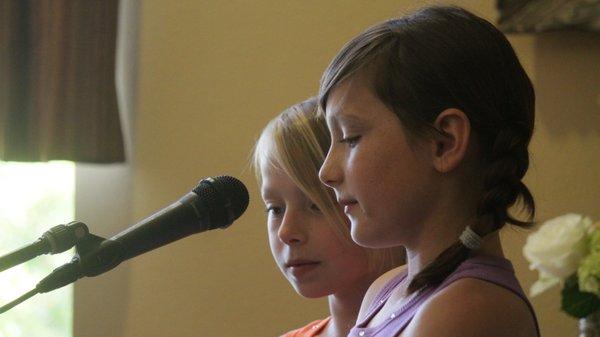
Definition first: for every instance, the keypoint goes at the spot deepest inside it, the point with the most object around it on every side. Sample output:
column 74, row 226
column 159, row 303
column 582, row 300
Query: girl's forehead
column 276, row 184
column 273, row 180
column 356, row 86
column 352, row 103
column 343, row 100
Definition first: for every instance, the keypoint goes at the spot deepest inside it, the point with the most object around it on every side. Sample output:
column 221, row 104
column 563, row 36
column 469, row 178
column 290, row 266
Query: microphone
column 214, row 203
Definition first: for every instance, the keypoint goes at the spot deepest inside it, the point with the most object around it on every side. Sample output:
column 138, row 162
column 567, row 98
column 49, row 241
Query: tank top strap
column 492, row 269
column 383, row 295
column 487, row 268
column 496, row 270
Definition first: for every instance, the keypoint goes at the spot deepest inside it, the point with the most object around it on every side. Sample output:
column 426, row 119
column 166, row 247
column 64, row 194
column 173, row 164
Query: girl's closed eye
column 352, row 141
column 315, row 208
column 274, row 210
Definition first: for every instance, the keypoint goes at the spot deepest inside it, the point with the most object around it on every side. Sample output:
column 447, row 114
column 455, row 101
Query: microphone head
column 226, row 199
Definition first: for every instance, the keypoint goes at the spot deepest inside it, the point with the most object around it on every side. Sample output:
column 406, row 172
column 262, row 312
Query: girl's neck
column 418, row 259
column 344, row 307
column 449, row 218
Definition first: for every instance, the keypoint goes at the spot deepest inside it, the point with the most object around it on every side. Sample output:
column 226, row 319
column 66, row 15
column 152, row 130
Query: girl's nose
column 291, row 230
column 330, row 173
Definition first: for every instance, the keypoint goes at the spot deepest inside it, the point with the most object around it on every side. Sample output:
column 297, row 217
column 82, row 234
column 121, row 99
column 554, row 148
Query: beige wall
column 211, row 74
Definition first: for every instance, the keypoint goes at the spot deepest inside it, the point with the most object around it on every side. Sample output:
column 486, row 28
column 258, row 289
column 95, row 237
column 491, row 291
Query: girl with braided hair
column 430, row 117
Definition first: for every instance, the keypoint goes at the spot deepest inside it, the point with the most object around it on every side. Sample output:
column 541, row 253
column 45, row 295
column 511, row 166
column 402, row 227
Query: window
column 34, row 197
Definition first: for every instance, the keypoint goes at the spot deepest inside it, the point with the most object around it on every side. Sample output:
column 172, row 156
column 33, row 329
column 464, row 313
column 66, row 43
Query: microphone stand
column 56, row 240
column 63, row 275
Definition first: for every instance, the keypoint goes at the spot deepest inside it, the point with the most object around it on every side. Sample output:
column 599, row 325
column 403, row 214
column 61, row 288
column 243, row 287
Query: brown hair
column 446, row 57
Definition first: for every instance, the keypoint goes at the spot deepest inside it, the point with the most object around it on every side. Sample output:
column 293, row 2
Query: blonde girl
column 308, row 232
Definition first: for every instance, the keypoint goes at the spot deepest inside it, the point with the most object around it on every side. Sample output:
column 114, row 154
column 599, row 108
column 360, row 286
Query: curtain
column 57, row 81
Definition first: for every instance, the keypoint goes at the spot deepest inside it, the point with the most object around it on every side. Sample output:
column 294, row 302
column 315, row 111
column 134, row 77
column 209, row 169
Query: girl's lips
column 299, row 270
column 348, row 204
column 299, row 263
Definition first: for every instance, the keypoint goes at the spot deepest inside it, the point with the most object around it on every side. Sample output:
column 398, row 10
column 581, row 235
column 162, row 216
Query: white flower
column 543, row 283
column 556, row 249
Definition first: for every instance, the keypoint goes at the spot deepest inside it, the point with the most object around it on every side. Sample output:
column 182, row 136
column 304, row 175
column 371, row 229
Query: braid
column 437, row 270
column 507, row 164
column 508, row 161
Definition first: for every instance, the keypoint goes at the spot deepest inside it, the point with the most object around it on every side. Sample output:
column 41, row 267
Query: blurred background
column 196, row 81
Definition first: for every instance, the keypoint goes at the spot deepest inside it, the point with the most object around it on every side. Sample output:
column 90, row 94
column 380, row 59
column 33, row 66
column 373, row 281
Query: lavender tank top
column 492, row 269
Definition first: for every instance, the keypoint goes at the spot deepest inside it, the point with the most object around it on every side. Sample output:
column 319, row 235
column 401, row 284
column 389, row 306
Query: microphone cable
column 19, row 300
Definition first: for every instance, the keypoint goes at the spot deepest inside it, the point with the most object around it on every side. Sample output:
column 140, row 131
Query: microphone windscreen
column 225, row 198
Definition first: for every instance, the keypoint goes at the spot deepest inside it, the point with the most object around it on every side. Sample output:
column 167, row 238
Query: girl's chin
column 360, row 236
column 368, row 239
column 311, row 293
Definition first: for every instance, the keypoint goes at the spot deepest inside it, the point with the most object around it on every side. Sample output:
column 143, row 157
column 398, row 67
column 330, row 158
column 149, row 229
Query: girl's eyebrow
column 342, row 114
column 346, row 120
column 350, row 118
column 266, row 193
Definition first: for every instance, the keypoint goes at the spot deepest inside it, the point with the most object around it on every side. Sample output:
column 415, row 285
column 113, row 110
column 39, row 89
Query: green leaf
column 577, row 303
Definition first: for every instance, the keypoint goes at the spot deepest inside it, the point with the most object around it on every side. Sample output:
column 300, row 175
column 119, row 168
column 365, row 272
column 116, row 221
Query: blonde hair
column 296, row 142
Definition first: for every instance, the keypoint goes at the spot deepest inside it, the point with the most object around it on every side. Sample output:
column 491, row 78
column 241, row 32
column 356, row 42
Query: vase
column 590, row 325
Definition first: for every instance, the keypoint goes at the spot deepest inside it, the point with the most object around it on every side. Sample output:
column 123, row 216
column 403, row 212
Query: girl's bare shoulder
column 472, row 307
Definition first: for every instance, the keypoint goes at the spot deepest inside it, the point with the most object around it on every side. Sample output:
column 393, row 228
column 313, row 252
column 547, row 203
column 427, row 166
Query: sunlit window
column 34, row 197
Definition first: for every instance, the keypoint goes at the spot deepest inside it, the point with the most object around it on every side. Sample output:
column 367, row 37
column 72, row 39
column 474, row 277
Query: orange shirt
column 310, row 330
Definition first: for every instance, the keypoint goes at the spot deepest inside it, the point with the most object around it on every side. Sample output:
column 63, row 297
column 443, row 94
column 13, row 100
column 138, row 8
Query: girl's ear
column 451, row 144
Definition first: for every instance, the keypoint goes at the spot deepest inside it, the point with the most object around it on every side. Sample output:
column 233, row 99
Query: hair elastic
column 470, row 239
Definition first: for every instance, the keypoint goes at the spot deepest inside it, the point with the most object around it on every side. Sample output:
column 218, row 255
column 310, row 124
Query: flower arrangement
column 566, row 250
